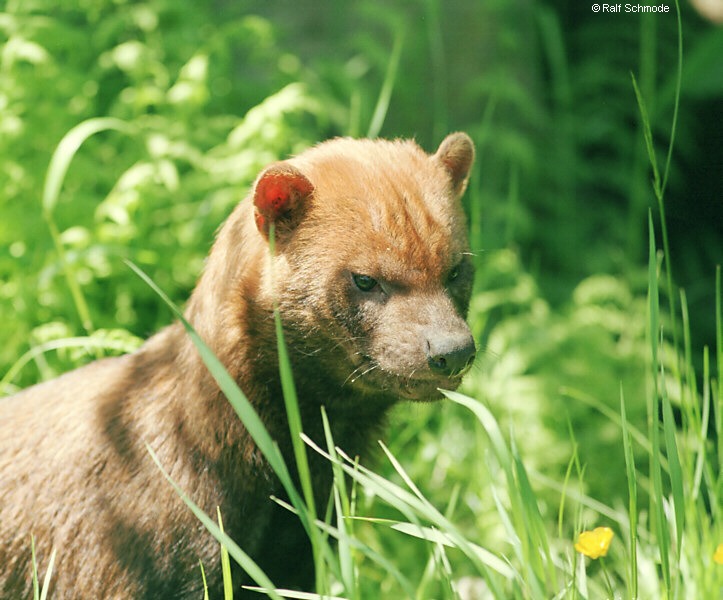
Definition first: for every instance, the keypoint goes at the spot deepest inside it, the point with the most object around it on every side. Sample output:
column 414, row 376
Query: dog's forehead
column 392, row 209
column 418, row 242
column 367, row 169
column 397, row 237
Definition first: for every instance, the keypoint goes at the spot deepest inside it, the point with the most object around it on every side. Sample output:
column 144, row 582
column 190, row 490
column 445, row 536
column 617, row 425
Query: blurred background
column 209, row 93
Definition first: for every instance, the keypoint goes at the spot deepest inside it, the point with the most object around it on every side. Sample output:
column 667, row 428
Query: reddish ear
column 279, row 197
column 456, row 153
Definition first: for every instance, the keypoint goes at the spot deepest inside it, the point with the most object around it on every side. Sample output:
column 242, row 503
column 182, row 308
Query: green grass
column 57, row 171
column 595, row 412
column 671, row 541
column 38, row 592
column 539, row 563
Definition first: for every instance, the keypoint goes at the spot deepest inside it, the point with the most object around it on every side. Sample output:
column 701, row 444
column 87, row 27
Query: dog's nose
column 450, row 355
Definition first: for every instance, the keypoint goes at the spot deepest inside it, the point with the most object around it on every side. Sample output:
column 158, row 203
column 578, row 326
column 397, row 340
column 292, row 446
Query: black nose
column 450, row 355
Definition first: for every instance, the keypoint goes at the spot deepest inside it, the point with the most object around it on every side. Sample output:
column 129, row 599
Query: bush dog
column 372, row 276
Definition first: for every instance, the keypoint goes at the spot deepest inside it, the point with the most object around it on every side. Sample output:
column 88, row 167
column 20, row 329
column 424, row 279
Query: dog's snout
column 450, row 355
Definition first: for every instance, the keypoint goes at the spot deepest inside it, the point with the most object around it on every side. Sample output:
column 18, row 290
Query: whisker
column 352, row 374
column 355, row 375
column 369, row 370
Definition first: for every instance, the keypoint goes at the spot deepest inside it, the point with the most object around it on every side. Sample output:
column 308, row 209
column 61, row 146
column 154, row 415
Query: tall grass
column 57, row 170
column 681, row 528
column 663, row 549
column 674, row 540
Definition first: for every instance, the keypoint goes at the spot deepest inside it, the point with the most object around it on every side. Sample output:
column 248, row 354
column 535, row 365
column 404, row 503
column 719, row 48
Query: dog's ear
column 281, row 194
column 456, row 153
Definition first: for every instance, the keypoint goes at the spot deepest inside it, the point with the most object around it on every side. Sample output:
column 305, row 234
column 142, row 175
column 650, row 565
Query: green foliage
column 545, row 369
column 193, row 138
column 128, row 131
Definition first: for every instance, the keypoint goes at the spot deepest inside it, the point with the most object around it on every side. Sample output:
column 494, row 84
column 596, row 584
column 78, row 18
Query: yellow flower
column 718, row 554
column 594, row 543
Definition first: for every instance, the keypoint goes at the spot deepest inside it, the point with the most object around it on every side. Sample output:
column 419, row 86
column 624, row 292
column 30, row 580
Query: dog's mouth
column 426, row 390
column 423, row 387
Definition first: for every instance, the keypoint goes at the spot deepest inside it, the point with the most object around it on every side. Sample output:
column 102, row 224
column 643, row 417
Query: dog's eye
column 453, row 274
column 364, row 282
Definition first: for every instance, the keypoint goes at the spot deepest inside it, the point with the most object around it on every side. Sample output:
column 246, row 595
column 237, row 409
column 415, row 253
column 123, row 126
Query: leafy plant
column 186, row 102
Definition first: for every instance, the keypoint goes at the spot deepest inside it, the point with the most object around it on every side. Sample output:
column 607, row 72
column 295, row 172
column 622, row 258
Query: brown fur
column 74, row 469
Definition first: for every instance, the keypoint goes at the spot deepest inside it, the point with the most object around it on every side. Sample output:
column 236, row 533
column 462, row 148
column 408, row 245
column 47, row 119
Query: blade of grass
column 41, row 593
column 579, row 497
column 638, row 436
column 514, row 539
column 429, row 574
column 435, row 40
column 574, row 462
column 48, row 575
column 225, row 563
column 343, row 508
column 676, row 105
column 205, row 583
column 508, row 463
column 409, row 505
column 291, row 400
column 36, row 584
column 581, row 577
column 66, row 151
column 291, row 403
column 632, row 498
column 292, row 594
column 676, row 472
column 536, row 530
column 689, row 401
column 524, row 508
column 475, row 199
column 718, row 406
column 648, row 136
column 485, row 417
column 57, row 170
column 431, row 534
column 657, row 497
column 386, row 564
column 73, row 342
column 658, row 184
column 405, row 477
column 443, row 572
column 237, row 399
column 702, row 433
column 442, row 521
column 243, row 559
column 385, row 95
